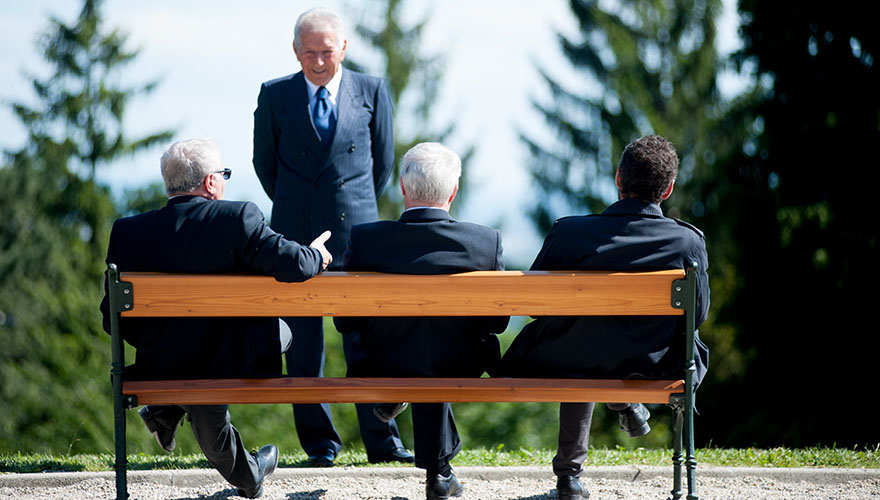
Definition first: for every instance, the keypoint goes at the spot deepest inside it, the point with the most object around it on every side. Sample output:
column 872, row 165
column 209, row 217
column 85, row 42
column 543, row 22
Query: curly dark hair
column 647, row 167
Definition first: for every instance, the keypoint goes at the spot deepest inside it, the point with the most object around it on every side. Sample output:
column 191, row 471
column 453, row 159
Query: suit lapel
column 297, row 104
column 346, row 106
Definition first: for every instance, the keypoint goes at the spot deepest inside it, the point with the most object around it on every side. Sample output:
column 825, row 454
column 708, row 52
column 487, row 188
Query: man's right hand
column 318, row 244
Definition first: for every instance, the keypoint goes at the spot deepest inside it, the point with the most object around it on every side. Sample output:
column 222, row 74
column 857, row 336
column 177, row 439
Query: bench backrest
column 480, row 293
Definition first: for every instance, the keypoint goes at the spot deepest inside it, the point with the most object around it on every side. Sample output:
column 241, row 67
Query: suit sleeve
column 266, row 252
column 498, row 324
column 105, row 302
column 702, row 260
column 382, row 138
column 265, row 143
column 543, row 260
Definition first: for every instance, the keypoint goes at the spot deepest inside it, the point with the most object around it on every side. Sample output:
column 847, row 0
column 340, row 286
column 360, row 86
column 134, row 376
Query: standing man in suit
column 323, row 151
column 630, row 235
column 198, row 232
column 425, row 240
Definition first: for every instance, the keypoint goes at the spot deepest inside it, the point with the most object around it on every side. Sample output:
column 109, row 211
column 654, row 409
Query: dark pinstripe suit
column 314, row 189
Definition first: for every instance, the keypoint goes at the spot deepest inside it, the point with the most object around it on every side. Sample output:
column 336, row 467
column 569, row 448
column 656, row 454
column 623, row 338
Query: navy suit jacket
column 423, row 241
column 312, row 188
column 194, row 235
column 628, row 236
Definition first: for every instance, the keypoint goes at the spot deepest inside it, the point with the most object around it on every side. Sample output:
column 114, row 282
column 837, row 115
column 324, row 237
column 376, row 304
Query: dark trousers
column 574, row 436
column 435, row 436
column 219, row 440
column 314, row 424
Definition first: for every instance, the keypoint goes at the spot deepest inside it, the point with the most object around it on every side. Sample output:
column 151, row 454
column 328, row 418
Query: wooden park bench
column 481, row 293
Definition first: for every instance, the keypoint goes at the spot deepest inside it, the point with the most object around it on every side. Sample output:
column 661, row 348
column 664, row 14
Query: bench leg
column 121, row 462
column 677, row 459
column 689, row 448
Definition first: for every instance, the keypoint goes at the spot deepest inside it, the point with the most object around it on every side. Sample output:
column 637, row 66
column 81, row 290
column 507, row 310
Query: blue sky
column 212, row 56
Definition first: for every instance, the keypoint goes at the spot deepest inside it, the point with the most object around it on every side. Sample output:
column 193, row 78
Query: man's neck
column 411, row 205
column 332, row 86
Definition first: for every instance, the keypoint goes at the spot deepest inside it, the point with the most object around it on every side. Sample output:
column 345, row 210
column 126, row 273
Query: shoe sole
column 170, row 447
column 457, row 493
column 152, row 428
column 641, row 431
column 388, row 418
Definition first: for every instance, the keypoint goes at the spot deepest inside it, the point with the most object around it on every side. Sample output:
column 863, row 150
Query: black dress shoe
column 634, row 421
column 440, row 488
column 386, row 411
column 395, row 455
column 267, row 460
column 162, row 422
column 323, row 458
column 570, row 488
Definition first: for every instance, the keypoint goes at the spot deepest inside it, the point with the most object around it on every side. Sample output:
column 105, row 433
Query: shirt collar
column 425, row 214
column 634, row 206
column 332, row 86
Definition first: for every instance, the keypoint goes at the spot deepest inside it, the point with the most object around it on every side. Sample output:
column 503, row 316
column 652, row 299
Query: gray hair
column 318, row 20
column 186, row 164
column 429, row 172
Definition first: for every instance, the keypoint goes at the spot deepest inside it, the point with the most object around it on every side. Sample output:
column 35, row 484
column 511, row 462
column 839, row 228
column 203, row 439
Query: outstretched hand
column 318, row 244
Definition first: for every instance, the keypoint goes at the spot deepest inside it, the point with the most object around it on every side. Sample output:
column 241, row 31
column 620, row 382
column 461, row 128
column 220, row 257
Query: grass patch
column 856, row 458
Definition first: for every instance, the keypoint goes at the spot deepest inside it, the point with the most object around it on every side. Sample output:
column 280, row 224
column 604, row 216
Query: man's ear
column 210, row 184
column 402, row 190
column 668, row 191
column 617, row 178
column 452, row 197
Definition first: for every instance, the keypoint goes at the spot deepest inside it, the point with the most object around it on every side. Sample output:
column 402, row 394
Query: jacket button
column 351, row 148
column 342, row 183
column 342, row 216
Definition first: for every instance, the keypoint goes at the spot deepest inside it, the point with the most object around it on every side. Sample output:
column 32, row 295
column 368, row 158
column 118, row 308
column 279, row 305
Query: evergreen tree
column 413, row 82
column 649, row 67
column 81, row 102
column 55, row 220
column 796, row 231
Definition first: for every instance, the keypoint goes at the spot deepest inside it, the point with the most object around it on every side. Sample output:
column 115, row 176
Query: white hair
column 318, row 20
column 429, row 172
column 186, row 164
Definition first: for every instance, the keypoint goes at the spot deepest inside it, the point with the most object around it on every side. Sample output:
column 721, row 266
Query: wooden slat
column 414, row 390
column 482, row 293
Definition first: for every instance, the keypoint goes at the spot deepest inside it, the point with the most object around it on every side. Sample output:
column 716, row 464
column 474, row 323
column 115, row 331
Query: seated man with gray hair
column 198, row 232
column 425, row 240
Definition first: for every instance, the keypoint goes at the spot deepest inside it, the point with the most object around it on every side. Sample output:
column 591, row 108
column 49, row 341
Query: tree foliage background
column 54, row 226
column 414, row 80
column 768, row 174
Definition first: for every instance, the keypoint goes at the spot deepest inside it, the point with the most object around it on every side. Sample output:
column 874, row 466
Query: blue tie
column 323, row 118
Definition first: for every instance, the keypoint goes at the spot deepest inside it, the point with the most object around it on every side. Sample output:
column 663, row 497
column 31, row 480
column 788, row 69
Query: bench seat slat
column 414, row 390
column 479, row 293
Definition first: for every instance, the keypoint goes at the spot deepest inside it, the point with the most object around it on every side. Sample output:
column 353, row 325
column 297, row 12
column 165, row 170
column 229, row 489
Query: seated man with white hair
column 425, row 240
column 199, row 232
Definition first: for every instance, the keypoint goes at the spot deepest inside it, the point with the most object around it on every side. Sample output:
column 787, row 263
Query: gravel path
column 485, row 483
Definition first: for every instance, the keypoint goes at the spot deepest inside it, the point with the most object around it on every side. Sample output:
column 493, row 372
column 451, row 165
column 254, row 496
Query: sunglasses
column 227, row 173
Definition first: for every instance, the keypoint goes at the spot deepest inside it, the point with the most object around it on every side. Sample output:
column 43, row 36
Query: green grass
column 868, row 458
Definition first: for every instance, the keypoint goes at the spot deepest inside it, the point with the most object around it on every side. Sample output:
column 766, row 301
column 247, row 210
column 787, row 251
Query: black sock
column 443, row 470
